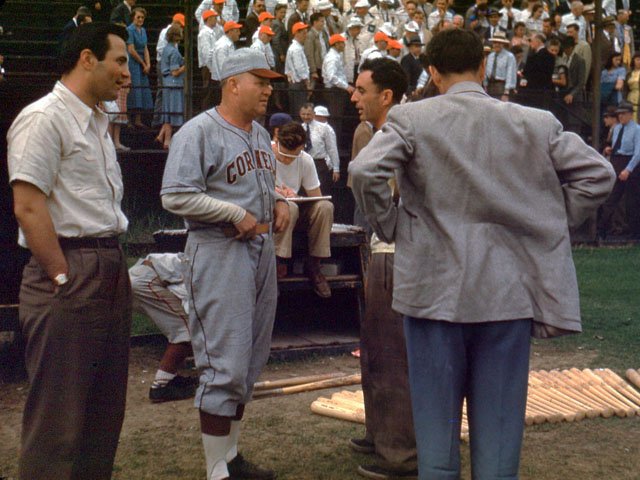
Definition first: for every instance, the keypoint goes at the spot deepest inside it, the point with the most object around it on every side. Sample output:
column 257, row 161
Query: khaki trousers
column 77, row 357
column 316, row 218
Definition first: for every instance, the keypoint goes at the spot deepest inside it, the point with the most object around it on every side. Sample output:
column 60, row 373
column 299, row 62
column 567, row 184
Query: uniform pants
column 488, row 363
column 233, row 291
column 77, row 354
column 316, row 218
column 154, row 299
column 383, row 363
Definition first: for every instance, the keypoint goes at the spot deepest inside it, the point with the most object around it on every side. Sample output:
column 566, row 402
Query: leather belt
column 231, row 231
column 89, row 242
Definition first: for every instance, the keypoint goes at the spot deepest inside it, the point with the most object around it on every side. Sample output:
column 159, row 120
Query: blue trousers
column 488, row 363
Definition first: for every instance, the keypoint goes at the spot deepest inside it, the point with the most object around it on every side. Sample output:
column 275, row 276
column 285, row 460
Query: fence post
column 188, row 59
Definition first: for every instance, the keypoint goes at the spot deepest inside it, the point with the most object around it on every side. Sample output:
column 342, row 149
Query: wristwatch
column 60, row 279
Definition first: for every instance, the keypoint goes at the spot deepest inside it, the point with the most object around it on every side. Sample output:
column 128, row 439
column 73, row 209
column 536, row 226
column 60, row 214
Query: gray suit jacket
column 313, row 50
column 489, row 190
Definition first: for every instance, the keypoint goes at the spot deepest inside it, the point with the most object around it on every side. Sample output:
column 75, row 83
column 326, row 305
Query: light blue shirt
column 630, row 144
column 295, row 65
column 505, row 69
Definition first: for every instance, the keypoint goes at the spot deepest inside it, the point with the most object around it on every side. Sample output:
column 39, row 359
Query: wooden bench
column 348, row 252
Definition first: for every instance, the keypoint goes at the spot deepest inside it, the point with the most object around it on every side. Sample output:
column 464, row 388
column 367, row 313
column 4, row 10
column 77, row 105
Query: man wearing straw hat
column 500, row 75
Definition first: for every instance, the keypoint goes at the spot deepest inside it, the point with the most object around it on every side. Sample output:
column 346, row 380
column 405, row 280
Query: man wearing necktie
column 500, row 75
column 625, row 156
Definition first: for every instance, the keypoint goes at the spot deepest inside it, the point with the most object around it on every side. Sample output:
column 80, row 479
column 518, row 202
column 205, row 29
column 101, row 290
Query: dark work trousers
column 157, row 106
column 337, row 100
column 325, row 175
column 207, row 89
column 383, row 362
column 633, row 202
column 615, row 202
column 488, row 363
column 77, row 356
column 298, row 96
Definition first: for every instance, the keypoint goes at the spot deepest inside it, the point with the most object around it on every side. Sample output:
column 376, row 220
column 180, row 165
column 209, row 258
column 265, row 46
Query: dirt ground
column 162, row 441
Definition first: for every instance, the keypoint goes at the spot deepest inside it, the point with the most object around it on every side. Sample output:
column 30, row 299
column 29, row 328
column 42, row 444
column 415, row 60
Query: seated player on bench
column 159, row 292
column 295, row 170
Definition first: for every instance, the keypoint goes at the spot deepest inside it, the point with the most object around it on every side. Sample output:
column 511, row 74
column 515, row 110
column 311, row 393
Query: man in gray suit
column 483, row 257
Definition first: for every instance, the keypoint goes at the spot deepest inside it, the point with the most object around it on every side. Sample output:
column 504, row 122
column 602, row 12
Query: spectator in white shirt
column 221, row 50
column 575, row 16
column 334, row 76
column 296, row 68
column 352, row 50
column 320, row 145
column 263, row 44
column 206, row 40
column 440, row 13
column 218, row 5
column 295, row 171
column 321, row 115
column 509, row 16
column 378, row 50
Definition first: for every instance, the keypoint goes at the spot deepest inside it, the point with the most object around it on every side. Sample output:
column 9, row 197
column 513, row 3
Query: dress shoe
column 362, row 445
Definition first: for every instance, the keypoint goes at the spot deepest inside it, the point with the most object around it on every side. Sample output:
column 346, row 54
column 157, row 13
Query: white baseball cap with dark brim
column 321, row 111
column 245, row 60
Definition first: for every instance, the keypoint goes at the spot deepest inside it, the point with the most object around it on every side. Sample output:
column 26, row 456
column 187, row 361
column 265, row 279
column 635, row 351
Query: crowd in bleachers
column 541, row 54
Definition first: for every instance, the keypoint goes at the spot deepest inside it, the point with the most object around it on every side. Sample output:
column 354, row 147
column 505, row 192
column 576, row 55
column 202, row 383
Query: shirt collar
column 466, row 87
column 80, row 110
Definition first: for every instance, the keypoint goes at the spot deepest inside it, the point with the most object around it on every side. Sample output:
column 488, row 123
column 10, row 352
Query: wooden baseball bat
column 622, row 386
column 579, row 389
column 560, row 391
column 614, row 390
column 596, row 386
column 307, row 387
column 590, row 387
column 549, row 403
column 633, row 376
column 554, row 396
column 288, row 382
column 550, row 415
column 330, row 410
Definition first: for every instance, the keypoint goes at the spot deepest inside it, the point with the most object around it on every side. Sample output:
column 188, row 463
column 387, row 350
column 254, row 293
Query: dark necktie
column 494, row 67
column 510, row 21
column 618, row 144
column 308, row 145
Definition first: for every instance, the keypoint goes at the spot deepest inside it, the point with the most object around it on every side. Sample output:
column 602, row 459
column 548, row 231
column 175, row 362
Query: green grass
column 609, row 282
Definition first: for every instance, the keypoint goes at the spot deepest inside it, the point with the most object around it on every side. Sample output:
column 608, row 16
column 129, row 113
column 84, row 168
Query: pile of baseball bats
column 553, row 396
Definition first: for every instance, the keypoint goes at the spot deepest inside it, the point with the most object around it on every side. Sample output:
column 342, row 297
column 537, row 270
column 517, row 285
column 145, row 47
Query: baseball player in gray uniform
column 220, row 176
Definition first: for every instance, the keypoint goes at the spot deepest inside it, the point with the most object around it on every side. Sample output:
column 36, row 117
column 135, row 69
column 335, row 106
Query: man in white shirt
column 321, row 115
column 221, row 50
column 322, row 146
column 509, row 16
column 441, row 13
column 178, row 19
column 220, row 6
column 369, row 21
column 263, row 44
column 207, row 38
column 334, row 75
column 296, row 68
column 75, row 300
column 295, row 170
column 378, row 50
column 575, row 16
column 352, row 48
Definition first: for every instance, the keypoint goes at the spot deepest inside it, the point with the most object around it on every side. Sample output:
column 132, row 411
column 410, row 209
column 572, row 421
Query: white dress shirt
column 266, row 49
column 221, row 50
column 435, row 17
column 61, row 146
column 206, row 41
column 296, row 67
column 333, row 72
column 504, row 19
column 162, row 42
column 324, row 144
column 570, row 18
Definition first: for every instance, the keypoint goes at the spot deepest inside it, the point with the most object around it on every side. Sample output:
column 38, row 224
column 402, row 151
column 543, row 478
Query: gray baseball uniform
column 231, row 284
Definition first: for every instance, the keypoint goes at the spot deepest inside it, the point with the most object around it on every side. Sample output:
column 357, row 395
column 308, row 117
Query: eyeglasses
column 287, row 155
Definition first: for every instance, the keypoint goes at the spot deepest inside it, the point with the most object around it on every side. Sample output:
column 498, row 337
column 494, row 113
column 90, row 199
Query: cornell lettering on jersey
column 244, row 163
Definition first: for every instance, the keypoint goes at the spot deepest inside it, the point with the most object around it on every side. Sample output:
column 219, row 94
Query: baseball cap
column 335, row 38
column 218, row 1
column 179, row 17
column 355, row 22
column 265, row 16
column 362, row 4
column 321, row 111
column 412, row 27
column 395, row 45
column 230, row 25
column 299, row 26
column 245, row 60
column 266, row 29
column 380, row 36
column 209, row 13
column 279, row 119
column 324, row 5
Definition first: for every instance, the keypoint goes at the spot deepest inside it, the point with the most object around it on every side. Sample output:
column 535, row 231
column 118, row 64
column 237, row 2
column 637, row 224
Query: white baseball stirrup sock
column 234, row 434
column 215, row 450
